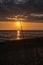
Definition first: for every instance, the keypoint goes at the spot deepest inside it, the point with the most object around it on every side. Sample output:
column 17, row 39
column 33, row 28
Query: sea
column 17, row 34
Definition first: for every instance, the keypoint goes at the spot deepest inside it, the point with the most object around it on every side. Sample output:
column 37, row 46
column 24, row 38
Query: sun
column 18, row 23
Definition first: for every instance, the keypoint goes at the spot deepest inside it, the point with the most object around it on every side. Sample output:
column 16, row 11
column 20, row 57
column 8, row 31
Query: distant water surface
column 17, row 35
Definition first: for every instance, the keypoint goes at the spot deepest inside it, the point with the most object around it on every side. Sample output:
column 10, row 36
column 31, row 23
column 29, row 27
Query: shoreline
column 32, row 41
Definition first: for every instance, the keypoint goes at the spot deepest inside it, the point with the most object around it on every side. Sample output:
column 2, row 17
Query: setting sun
column 18, row 23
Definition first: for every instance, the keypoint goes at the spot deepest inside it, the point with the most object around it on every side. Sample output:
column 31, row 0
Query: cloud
column 36, row 15
column 20, row 1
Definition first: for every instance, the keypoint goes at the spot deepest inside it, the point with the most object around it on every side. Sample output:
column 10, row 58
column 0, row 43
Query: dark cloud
column 10, row 8
column 26, row 5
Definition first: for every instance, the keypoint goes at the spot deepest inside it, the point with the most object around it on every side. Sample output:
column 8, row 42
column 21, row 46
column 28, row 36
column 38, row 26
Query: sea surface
column 17, row 35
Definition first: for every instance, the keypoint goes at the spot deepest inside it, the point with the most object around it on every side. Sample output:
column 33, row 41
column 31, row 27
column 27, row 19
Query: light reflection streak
column 18, row 35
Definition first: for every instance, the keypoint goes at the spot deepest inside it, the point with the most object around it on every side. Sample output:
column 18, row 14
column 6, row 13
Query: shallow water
column 17, row 35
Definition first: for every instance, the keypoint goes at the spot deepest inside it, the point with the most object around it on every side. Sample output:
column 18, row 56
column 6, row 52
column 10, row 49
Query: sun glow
column 18, row 23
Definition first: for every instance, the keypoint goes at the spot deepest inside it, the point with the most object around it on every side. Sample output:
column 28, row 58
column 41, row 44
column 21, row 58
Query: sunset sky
column 25, row 26
column 33, row 9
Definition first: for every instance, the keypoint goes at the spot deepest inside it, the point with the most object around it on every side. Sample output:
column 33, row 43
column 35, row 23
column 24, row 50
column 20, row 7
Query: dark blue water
column 14, row 35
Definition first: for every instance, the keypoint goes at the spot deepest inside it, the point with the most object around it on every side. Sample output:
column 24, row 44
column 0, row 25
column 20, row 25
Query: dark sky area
column 26, row 5
column 18, row 7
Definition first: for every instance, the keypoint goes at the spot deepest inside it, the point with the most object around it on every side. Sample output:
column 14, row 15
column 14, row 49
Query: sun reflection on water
column 18, row 35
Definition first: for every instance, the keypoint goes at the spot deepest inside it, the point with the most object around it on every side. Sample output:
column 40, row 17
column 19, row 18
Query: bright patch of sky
column 20, row 1
column 36, row 15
